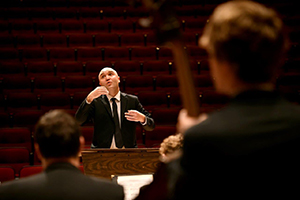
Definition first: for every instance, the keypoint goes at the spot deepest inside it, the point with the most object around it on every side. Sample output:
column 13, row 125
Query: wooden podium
column 106, row 162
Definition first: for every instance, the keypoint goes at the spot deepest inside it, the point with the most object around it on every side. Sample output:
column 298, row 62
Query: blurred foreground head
column 58, row 135
column 249, row 37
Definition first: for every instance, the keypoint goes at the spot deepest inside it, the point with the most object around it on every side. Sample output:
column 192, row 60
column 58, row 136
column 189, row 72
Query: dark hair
column 57, row 134
column 247, row 35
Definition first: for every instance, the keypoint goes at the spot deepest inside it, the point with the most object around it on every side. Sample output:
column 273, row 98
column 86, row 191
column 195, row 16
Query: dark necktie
column 118, row 135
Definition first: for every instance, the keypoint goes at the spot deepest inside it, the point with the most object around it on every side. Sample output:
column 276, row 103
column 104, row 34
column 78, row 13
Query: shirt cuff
column 145, row 121
column 87, row 102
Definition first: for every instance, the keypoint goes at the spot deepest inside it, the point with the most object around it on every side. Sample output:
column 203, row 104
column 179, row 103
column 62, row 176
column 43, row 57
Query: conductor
column 115, row 114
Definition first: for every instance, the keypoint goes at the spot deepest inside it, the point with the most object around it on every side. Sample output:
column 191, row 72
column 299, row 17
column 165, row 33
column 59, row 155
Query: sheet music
column 133, row 183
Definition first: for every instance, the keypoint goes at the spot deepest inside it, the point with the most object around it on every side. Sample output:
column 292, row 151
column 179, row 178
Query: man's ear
column 119, row 79
column 38, row 152
column 82, row 143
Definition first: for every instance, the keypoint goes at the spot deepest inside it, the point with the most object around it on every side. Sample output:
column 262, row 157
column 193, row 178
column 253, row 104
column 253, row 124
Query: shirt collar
column 118, row 96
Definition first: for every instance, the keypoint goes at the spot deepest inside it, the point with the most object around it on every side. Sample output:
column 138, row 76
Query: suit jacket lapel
column 106, row 104
column 124, row 101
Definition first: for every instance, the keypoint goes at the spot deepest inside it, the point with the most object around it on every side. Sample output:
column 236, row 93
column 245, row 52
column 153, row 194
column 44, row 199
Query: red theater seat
column 143, row 53
column 16, row 84
column 85, row 54
column 6, row 174
column 78, row 98
column 89, row 13
column 9, row 54
column 195, row 25
column 155, row 138
column 132, row 39
column 55, row 100
column 190, row 38
column 21, row 101
column 6, row 39
column 34, row 54
column 116, row 53
column 80, row 40
column 14, row 157
column 153, row 99
column 62, row 54
column 165, row 53
column 125, row 68
column 15, row 137
column 196, row 52
column 106, row 39
column 87, row 132
column 47, row 84
column 121, row 26
column 30, row 170
column 11, row 68
column 203, row 82
column 96, row 26
column 78, row 84
column 156, row 67
column 47, row 26
column 65, row 13
column 67, row 68
column 93, row 67
column 5, row 119
column 165, row 116
column 71, row 26
column 138, row 83
column 22, row 26
column 166, row 82
column 28, row 40
column 39, row 68
column 26, row 118
column 54, row 40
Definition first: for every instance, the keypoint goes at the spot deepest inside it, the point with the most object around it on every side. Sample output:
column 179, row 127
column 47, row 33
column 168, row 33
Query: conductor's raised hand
column 98, row 91
column 135, row 116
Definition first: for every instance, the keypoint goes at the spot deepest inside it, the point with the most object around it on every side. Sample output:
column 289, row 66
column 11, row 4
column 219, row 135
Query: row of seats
column 188, row 24
column 32, row 13
column 90, row 26
column 109, row 53
column 71, row 84
column 86, row 40
column 150, row 99
column 124, row 68
column 98, row 39
column 8, row 173
column 163, row 116
column 134, row 83
column 92, row 3
column 92, row 68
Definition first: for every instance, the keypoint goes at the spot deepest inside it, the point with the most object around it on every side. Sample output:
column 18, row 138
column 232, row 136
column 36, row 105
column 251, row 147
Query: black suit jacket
column 100, row 112
column 248, row 149
column 61, row 181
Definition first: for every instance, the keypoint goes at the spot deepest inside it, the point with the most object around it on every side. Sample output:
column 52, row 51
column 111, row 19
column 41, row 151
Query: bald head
column 107, row 69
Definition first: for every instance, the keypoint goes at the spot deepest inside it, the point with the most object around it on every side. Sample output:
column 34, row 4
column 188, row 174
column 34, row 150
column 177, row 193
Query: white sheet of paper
column 133, row 183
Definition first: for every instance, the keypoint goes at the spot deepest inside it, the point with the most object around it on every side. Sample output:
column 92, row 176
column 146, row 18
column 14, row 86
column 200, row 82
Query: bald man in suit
column 115, row 114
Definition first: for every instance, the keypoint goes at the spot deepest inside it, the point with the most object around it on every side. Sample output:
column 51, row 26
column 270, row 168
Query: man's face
column 109, row 78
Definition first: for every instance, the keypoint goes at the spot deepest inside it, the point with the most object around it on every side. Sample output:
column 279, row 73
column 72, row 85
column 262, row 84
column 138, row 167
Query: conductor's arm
column 142, row 116
column 84, row 110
